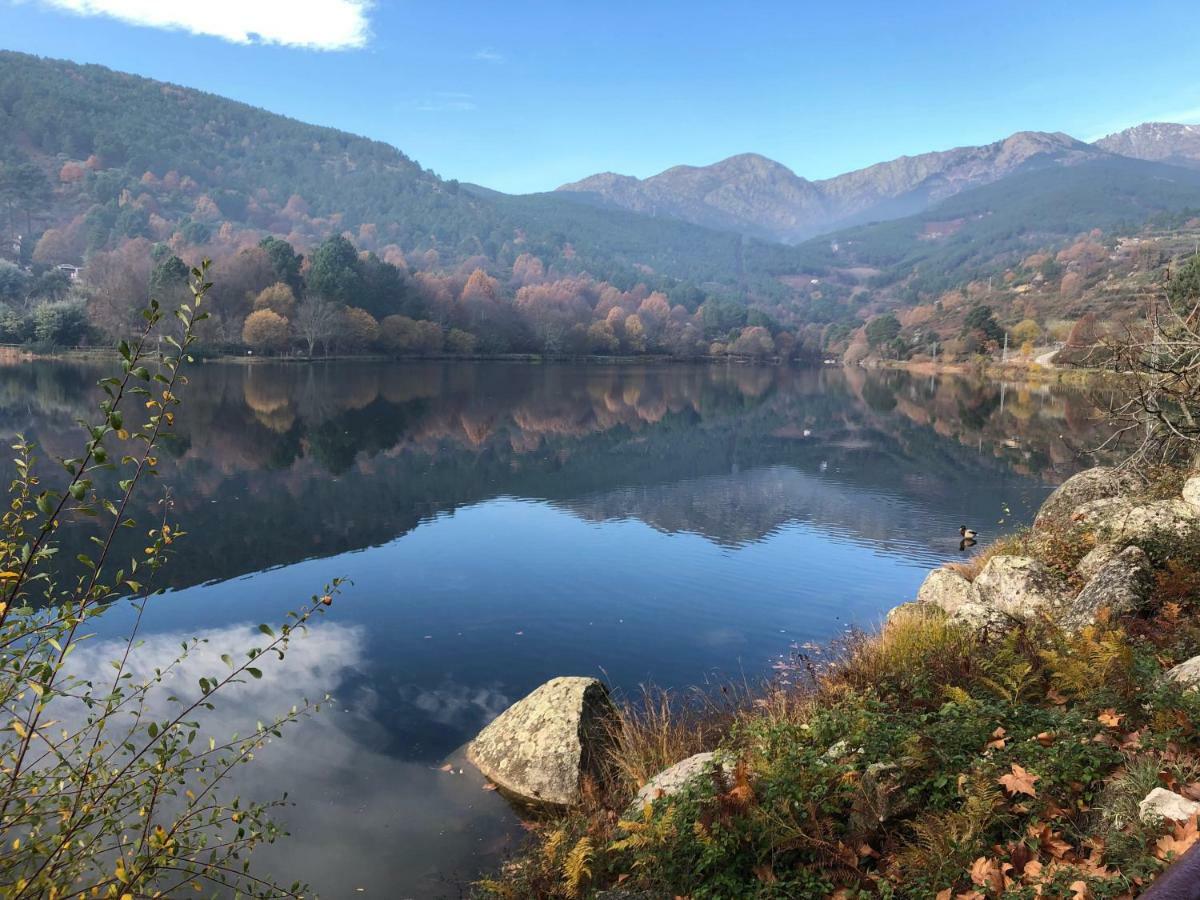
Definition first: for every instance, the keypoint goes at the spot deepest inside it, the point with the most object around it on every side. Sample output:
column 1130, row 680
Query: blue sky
column 523, row 96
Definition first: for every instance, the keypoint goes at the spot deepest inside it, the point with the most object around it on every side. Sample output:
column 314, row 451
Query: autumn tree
column 315, row 322
column 1027, row 330
column 460, row 342
column 118, row 286
column 755, row 342
column 402, row 335
column 480, row 286
column 1084, row 333
column 266, row 330
column 601, row 338
column 1071, row 285
column 635, row 334
column 55, row 246
column 357, row 329
column 278, row 298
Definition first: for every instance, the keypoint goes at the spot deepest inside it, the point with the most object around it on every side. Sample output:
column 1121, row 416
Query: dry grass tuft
column 658, row 729
column 918, row 639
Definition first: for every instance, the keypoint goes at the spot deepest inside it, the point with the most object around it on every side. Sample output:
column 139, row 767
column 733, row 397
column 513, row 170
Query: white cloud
column 311, row 24
column 487, row 54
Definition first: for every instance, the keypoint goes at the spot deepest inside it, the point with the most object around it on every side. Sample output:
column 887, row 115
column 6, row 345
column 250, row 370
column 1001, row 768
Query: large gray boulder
column 1018, row 586
column 1162, row 804
column 980, row 617
column 1091, row 484
column 947, row 589
column 538, row 748
column 1159, row 527
column 1094, row 560
column 1121, row 585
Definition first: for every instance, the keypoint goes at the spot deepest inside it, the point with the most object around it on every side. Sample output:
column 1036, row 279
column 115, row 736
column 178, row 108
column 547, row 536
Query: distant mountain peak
column 756, row 195
column 1167, row 142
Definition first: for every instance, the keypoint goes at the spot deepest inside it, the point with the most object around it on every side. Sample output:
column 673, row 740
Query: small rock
column 947, row 589
column 1121, row 585
column 1163, row 804
column 1187, row 672
column 1018, row 586
column 1191, row 492
column 1094, row 559
column 1092, row 484
column 537, row 749
column 671, row 781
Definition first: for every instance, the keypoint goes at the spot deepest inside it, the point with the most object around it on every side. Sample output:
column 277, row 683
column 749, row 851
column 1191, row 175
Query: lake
column 504, row 523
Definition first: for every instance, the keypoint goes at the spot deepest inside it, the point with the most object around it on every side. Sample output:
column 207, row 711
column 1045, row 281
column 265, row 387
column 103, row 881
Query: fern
column 577, row 868
column 943, row 843
column 1098, row 657
column 553, row 844
column 1009, row 675
column 647, row 835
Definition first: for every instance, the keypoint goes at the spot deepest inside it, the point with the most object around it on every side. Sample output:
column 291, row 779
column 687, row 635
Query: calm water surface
column 506, row 523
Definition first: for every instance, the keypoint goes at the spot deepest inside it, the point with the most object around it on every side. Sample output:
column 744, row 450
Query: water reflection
column 504, row 523
column 277, row 463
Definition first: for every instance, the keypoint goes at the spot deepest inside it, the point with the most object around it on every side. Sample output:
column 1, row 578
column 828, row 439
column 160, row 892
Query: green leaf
column 266, row 629
column 257, row 673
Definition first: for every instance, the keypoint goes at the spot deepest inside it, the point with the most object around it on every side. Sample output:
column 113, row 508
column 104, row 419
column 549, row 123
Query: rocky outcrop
column 947, row 589
column 1094, row 560
column 1163, row 804
column 1099, row 483
column 1018, row 586
column 981, row 617
column 1120, row 586
column 538, row 748
column 1161, row 528
column 672, row 780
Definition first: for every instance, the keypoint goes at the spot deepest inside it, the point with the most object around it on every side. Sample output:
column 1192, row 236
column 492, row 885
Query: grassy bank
column 925, row 761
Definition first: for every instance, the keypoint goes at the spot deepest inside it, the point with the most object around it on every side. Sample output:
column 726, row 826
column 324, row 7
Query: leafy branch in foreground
column 105, row 789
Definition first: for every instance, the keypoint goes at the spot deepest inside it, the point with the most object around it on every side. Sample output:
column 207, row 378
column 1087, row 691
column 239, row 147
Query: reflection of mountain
column 277, row 463
column 744, row 507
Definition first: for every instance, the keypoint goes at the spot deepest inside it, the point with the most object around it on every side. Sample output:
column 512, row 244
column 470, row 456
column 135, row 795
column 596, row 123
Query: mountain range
column 92, row 159
column 757, row 196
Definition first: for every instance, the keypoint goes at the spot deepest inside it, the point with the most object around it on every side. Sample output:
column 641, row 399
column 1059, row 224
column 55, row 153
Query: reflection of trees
column 249, row 466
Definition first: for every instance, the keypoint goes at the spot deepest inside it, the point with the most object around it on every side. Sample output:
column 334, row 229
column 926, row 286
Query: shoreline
column 1007, row 728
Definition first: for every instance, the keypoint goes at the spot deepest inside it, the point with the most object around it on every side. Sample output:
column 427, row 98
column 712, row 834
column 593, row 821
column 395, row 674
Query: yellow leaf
column 10, row 574
column 1110, row 718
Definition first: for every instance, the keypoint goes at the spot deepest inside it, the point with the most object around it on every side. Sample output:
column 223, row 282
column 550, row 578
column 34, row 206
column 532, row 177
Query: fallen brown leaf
column 1019, row 781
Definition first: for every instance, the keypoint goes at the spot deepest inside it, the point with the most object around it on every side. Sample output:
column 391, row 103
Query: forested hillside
column 112, row 185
